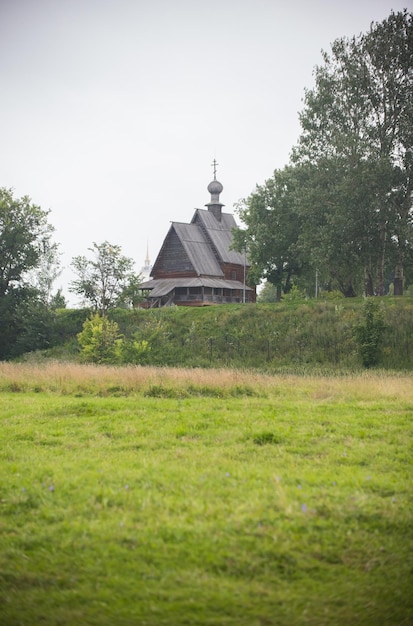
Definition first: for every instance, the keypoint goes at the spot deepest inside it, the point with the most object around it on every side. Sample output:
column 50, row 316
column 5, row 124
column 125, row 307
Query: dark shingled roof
column 162, row 286
column 198, row 249
column 220, row 234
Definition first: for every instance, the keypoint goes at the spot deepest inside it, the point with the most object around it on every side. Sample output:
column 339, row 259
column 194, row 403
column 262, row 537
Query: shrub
column 134, row 351
column 100, row 340
column 331, row 295
column 294, row 294
column 369, row 333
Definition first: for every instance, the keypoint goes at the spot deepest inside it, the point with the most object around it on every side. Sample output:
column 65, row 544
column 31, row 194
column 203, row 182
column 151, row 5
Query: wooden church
column 196, row 266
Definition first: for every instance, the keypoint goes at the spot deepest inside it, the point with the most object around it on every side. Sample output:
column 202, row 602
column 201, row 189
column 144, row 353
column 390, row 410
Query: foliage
column 343, row 206
column 369, row 333
column 131, row 294
column 27, row 324
column 331, row 295
column 300, row 512
column 357, row 134
column 272, row 230
column 294, row 335
column 25, row 233
column 100, row 340
column 43, row 276
column 68, row 324
column 57, row 301
column 136, row 351
column 106, row 280
column 295, row 294
column 268, row 293
column 25, row 243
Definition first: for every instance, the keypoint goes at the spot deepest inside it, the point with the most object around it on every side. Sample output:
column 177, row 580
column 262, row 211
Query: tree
column 106, row 280
column 272, row 230
column 24, row 234
column 333, row 233
column 390, row 52
column 358, row 120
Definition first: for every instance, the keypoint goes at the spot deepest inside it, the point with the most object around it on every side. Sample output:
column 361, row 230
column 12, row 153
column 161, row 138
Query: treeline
column 341, row 209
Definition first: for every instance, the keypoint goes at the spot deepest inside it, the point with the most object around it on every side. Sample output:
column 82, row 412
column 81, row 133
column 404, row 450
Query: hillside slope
column 271, row 337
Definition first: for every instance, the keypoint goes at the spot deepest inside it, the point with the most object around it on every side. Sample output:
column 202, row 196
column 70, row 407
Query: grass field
column 157, row 496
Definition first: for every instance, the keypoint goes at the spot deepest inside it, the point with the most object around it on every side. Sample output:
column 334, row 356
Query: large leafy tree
column 25, row 234
column 272, row 230
column 359, row 117
column 343, row 207
column 107, row 279
column 336, row 234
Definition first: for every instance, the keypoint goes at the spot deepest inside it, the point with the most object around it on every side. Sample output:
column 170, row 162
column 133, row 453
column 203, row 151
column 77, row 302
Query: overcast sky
column 112, row 111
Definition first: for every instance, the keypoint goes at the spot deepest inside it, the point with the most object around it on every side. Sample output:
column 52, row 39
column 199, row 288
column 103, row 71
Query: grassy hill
column 287, row 336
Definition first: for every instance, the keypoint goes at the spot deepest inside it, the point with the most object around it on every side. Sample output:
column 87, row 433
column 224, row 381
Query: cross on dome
column 214, row 165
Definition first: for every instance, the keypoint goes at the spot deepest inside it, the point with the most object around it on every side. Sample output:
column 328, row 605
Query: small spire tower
column 147, row 267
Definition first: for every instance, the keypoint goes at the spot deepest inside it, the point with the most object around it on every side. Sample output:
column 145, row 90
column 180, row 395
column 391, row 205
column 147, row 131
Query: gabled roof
column 198, row 249
column 220, row 234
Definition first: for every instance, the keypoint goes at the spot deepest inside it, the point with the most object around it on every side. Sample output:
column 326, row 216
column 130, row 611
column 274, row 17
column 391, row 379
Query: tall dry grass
column 72, row 378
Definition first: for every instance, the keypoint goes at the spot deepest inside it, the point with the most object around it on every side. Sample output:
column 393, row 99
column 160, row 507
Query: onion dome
column 215, row 188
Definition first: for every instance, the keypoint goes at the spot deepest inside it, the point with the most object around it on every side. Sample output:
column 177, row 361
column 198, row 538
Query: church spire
column 146, row 269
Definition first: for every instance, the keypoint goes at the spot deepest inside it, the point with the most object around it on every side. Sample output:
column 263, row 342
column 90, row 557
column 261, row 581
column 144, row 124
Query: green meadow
column 145, row 496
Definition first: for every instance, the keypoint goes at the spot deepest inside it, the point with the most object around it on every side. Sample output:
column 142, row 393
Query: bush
column 331, row 295
column 295, row 294
column 369, row 332
column 100, row 340
column 134, row 351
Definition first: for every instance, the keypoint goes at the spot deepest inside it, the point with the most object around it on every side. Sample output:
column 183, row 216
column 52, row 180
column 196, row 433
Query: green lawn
column 288, row 506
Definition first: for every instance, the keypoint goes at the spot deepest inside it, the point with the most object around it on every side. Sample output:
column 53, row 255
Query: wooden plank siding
column 173, row 259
